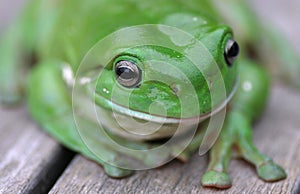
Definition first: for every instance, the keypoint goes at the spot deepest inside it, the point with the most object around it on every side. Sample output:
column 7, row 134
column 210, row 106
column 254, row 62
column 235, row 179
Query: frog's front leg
column 265, row 167
column 246, row 106
column 237, row 134
column 220, row 155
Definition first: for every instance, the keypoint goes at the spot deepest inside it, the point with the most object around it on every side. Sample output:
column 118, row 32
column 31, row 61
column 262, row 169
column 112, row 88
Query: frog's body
column 62, row 32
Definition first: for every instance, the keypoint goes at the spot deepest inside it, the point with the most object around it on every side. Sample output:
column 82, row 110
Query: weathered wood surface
column 277, row 134
column 30, row 161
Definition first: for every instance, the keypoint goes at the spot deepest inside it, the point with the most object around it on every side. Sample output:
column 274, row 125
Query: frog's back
column 73, row 27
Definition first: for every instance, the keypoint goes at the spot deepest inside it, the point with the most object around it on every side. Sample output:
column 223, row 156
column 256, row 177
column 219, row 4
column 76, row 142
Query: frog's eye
column 232, row 50
column 128, row 74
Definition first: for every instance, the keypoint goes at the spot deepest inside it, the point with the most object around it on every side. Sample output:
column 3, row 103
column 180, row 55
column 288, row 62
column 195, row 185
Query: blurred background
column 286, row 16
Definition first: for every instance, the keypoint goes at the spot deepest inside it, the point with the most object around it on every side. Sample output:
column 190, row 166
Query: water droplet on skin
column 247, row 86
column 105, row 91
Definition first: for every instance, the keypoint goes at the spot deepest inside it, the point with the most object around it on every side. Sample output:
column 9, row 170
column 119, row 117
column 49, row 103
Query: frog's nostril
column 175, row 88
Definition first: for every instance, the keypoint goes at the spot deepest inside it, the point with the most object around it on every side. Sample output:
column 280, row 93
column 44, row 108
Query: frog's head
column 154, row 83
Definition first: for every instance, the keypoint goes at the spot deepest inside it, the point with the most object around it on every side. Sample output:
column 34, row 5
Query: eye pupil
column 234, row 50
column 125, row 73
column 128, row 74
column 231, row 52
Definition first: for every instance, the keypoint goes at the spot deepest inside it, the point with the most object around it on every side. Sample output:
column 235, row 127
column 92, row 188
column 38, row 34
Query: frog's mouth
column 170, row 120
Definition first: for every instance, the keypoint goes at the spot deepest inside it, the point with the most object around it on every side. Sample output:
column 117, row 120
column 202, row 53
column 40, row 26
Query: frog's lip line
column 170, row 120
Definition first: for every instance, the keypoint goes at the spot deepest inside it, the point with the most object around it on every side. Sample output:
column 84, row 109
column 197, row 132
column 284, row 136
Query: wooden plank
column 277, row 134
column 30, row 161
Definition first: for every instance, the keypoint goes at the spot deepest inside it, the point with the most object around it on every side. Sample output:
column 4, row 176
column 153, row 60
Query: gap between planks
column 30, row 160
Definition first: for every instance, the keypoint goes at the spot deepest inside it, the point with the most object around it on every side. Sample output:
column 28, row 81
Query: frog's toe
column 116, row 172
column 271, row 172
column 215, row 179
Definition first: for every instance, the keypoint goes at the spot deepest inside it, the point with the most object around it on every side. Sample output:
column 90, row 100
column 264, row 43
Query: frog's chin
column 168, row 120
column 140, row 126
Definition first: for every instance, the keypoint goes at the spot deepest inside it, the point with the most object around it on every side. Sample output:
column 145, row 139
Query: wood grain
column 277, row 134
column 30, row 161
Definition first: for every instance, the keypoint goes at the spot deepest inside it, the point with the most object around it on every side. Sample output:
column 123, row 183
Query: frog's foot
column 238, row 134
column 216, row 179
column 216, row 175
column 116, row 172
column 270, row 172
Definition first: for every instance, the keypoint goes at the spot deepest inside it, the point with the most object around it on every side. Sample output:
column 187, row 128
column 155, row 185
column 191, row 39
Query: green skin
column 61, row 32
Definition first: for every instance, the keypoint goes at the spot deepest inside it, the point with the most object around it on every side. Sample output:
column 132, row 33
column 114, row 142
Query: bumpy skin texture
column 62, row 31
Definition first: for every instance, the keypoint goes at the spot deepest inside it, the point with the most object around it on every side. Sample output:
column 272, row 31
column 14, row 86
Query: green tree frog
column 53, row 37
